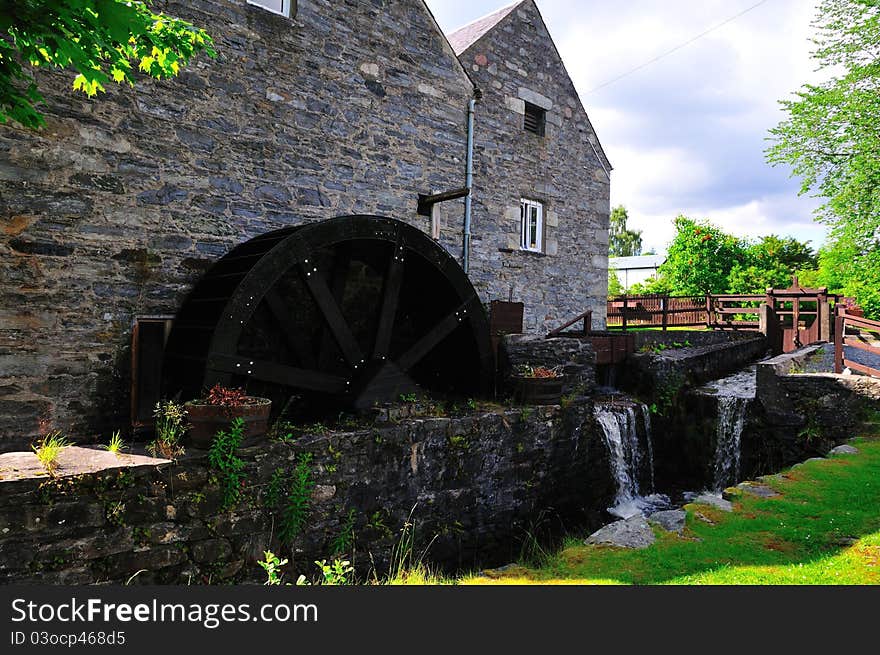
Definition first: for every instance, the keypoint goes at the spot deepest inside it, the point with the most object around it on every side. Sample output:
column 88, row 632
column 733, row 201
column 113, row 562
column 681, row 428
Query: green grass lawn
column 824, row 529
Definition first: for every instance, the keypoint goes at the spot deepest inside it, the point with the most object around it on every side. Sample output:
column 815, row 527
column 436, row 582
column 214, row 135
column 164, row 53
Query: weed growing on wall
column 116, row 445
column 170, row 428
column 49, row 449
column 276, row 489
column 344, row 541
column 666, row 393
column 296, row 504
column 223, row 459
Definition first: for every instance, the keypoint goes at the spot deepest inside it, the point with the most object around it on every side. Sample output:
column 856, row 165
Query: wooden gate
column 797, row 317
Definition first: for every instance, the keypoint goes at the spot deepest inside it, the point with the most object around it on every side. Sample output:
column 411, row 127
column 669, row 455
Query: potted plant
column 215, row 412
column 538, row 385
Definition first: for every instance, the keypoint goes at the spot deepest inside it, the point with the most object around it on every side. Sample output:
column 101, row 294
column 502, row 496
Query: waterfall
column 734, row 394
column 731, row 420
column 649, row 440
column 619, row 424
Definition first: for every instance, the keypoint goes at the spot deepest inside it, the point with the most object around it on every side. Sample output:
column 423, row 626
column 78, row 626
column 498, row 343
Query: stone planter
column 538, row 391
column 207, row 420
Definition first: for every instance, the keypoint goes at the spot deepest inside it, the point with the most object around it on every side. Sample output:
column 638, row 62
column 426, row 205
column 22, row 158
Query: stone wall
column 473, row 486
column 516, row 62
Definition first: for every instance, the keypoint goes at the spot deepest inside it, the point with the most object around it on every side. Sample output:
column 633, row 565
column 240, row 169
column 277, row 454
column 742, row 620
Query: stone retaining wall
column 474, row 486
column 659, row 377
column 794, row 416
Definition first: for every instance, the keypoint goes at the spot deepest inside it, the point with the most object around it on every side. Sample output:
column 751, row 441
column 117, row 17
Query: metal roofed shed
column 632, row 270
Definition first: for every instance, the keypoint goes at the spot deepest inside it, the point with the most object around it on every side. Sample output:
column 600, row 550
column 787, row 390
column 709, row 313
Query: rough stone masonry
column 120, row 203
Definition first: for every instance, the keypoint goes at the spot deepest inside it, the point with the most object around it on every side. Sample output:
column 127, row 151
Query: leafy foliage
column 344, row 540
column 335, row 573
column 621, row 241
column 615, row 288
column 272, row 565
column 225, row 397
column 102, row 40
column 830, row 139
column 770, row 263
column 844, row 269
column 298, row 500
column 223, row 459
column 702, row 258
column 698, row 260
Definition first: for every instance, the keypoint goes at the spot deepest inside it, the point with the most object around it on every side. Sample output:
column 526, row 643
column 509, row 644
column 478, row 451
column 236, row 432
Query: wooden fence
column 856, row 332
column 737, row 312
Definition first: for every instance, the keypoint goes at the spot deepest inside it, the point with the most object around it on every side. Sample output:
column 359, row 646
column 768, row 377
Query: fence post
column 839, row 327
column 823, row 308
column 709, row 319
column 664, row 306
column 623, row 313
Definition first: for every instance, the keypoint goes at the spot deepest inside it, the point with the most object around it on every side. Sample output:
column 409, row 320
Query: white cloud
column 656, row 176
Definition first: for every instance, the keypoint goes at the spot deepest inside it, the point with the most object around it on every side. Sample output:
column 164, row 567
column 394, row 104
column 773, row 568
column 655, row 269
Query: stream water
column 735, row 395
column 625, row 424
column 626, row 431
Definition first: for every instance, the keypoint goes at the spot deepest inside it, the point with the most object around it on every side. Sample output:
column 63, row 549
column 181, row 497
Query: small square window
column 531, row 225
column 282, row 7
column 535, row 119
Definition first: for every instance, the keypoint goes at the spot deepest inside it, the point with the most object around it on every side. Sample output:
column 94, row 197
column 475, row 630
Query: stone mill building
column 312, row 110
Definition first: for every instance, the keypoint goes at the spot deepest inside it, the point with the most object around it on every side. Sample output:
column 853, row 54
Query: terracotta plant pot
column 207, row 420
column 538, row 391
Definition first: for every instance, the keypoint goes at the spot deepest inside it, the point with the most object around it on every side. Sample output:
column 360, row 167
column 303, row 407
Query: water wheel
column 346, row 312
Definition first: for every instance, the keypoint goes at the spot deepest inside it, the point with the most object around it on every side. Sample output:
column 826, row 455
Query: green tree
column 101, row 40
column 831, row 138
column 615, row 288
column 846, row 271
column 698, row 260
column 621, row 241
column 770, row 263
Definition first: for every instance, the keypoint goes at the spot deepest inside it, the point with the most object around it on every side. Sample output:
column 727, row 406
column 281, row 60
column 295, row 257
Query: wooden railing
column 738, row 312
column 856, row 332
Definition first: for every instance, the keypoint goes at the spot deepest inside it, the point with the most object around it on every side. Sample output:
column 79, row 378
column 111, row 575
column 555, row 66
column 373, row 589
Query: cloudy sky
column 685, row 134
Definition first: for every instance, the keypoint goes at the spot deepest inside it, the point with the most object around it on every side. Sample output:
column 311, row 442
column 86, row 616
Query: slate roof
column 464, row 37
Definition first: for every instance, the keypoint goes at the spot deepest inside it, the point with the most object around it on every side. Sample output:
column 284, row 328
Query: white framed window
column 281, row 7
column 531, row 225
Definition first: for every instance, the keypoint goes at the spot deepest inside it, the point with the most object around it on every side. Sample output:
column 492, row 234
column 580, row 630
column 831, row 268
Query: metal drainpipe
column 469, row 183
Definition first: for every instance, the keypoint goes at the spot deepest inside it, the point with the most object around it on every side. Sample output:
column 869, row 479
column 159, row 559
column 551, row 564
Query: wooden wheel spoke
column 338, row 279
column 332, row 314
column 390, row 297
column 436, row 335
column 283, row 316
column 276, row 373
